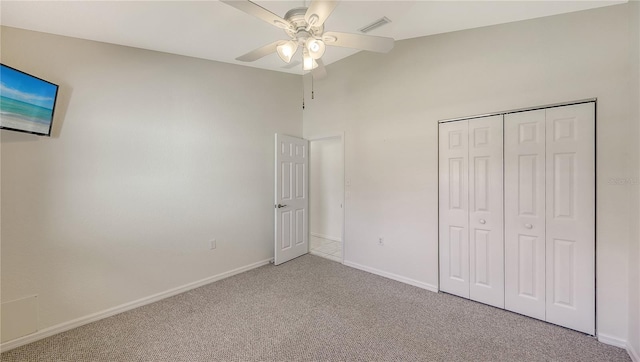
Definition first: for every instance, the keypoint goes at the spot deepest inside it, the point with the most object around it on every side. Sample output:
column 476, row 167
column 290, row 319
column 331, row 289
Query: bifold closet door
column 486, row 247
column 471, row 209
column 570, row 229
column 524, row 232
column 550, row 215
column 454, row 207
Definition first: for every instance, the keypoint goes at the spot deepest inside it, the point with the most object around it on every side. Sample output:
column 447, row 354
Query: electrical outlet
column 380, row 240
column 212, row 244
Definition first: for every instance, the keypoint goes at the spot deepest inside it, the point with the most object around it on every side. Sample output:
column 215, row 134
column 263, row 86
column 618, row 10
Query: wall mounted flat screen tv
column 26, row 102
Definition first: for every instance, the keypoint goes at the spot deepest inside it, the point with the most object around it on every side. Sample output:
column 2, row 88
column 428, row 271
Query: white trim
column 619, row 342
column 332, row 238
column 62, row 327
column 612, row 341
column 395, row 277
column 518, row 110
column 324, row 138
column 635, row 356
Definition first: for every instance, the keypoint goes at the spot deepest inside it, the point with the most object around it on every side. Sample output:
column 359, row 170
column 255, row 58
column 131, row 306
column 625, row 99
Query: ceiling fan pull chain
column 302, row 92
column 312, row 95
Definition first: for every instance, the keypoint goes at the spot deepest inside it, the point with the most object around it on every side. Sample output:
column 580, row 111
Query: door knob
column 528, row 226
column 483, row 221
column 280, row 206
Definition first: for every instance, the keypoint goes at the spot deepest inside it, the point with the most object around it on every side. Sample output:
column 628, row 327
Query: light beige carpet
column 313, row 309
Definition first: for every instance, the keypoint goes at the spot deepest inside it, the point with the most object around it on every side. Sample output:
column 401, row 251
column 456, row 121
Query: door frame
column 340, row 136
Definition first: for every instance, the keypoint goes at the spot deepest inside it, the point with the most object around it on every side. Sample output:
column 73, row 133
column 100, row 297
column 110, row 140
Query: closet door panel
column 524, row 231
column 570, row 209
column 454, row 208
column 486, row 248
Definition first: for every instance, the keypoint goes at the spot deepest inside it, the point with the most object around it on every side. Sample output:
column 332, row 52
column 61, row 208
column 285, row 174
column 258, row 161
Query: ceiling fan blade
column 319, row 11
column 259, row 53
column 259, row 12
column 364, row 42
column 320, row 71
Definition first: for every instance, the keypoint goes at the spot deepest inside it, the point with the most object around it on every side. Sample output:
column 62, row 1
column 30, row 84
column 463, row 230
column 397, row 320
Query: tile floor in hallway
column 325, row 248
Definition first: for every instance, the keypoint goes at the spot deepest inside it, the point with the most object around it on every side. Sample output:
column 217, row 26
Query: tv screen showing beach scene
column 26, row 102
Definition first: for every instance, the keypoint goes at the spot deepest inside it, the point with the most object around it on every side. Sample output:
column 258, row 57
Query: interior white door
column 486, row 247
column 524, row 233
column 570, row 227
column 291, row 198
column 454, row 208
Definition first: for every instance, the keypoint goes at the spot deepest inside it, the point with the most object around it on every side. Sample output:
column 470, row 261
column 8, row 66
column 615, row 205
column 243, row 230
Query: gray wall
column 152, row 155
column 634, row 195
column 388, row 106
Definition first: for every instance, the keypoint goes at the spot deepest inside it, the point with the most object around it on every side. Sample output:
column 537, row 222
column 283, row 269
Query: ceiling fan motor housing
column 300, row 28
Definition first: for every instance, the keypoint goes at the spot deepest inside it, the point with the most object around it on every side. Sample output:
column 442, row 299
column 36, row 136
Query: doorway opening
column 326, row 197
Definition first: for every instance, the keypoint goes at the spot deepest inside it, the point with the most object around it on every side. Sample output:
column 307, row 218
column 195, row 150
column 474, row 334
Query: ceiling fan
column 305, row 29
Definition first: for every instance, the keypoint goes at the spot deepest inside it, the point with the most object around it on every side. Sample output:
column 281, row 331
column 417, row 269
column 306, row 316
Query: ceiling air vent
column 376, row 24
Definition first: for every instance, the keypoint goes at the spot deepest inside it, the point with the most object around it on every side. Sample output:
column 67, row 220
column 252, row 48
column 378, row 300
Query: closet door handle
column 528, row 226
column 483, row 221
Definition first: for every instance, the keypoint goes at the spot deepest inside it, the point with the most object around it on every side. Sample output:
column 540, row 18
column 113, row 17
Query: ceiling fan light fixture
column 308, row 63
column 315, row 48
column 286, row 50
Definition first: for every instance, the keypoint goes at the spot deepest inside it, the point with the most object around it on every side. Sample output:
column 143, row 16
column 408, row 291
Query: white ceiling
column 213, row 30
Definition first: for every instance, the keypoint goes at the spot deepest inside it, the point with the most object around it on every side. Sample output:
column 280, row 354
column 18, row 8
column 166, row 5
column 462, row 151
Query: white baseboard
column 395, row 277
column 332, row 238
column 635, row 356
column 619, row 342
column 59, row 328
column 612, row 341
